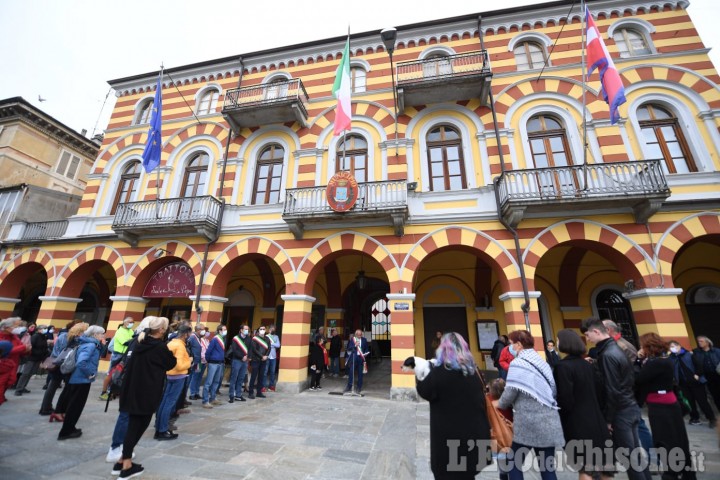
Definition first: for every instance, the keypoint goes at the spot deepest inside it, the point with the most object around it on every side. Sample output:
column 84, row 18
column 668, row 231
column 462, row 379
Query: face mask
column 551, row 349
column 261, row 331
column 223, row 332
column 202, row 333
column 512, row 351
column 130, row 325
column 245, row 332
column 19, row 330
column 52, row 330
column 43, row 331
column 207, row 334
column 675, row 349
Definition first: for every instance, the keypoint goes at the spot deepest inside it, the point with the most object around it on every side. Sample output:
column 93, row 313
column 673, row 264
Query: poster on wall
column 487, row 331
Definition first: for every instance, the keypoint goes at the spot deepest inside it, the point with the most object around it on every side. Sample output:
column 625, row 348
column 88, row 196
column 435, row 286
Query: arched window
column 529, row 55
column 268, row 175
column 276, row 88
column 128, row 185
column 208, row 101
column 358, row 79
column 631, row 43
column 664, row 139
column 549, row 148
column 436, row 65
column 145, row 112
column 352, row 155
column 445, row 159
column 196, row 174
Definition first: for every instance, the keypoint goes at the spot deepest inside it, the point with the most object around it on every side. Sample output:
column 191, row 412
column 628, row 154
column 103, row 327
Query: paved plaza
column 311, row 435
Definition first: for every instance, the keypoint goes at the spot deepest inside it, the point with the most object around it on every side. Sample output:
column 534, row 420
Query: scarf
column 530, row 374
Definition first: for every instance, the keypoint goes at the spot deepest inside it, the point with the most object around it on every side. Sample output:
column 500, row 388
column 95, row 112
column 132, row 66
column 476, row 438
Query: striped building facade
column 444, row 235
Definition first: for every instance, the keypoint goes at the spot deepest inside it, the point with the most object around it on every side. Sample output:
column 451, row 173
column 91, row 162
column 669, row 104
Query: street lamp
column 389, row 36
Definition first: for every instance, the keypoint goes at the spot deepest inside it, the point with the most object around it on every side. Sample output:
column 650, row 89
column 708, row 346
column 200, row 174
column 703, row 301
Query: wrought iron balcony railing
column 622, row 182
column 375, row 199
column 275, row 102
column 182, row 215
column 442, row 67
column 44, row 230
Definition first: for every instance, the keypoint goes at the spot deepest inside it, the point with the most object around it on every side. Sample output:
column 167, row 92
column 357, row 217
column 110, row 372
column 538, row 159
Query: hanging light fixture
column 361, row 279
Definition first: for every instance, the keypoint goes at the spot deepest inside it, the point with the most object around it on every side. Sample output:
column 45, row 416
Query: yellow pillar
column 658, row 310
column 211, row 309
column 7, row 306
column 295, row 343
column 402, row 344
column 57, row 311
column 515, row 317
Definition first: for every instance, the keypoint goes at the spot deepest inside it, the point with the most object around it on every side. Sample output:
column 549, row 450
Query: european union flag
column 151, row 154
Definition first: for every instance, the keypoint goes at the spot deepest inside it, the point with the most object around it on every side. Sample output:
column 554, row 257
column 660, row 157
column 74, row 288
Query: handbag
column 49, row 364
column 501, row 429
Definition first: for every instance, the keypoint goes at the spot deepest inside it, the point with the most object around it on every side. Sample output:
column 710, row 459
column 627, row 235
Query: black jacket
column 495, row 354
column 617, row 377
column 457, row 412
column 706, row 362
column 552, row 358
column 317, row 357
column 258, row 350
column 656, row 374
column 335, row 346
column 148, row 362
column 236, row 351
column 39, row 347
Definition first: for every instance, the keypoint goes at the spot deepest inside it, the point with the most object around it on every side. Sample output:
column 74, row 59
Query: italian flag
column 341, row 91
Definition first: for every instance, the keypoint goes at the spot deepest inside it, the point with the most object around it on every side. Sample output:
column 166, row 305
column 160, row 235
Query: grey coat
column 534, row 424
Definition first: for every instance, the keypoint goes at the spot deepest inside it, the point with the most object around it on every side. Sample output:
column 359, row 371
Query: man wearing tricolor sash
column 240, row 355
column 258, row 356
column 357, row 351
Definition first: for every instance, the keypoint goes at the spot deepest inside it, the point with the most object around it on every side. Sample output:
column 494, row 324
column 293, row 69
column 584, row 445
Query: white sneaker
column 114, row 455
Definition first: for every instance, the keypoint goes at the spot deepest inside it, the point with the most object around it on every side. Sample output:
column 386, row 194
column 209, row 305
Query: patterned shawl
column 531, row 374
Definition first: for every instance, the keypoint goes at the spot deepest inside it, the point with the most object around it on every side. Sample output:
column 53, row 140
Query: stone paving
column 311, row 435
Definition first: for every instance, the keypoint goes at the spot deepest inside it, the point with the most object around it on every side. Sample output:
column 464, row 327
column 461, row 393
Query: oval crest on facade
column 342, row 191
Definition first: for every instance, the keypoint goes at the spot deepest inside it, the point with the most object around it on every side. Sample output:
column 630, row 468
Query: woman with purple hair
column 459, row 428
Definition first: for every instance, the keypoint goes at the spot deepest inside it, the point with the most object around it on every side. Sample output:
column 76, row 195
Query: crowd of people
column 574, row 399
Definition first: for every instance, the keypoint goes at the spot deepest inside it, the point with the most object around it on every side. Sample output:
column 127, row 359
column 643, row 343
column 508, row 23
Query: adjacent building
column 436, row 211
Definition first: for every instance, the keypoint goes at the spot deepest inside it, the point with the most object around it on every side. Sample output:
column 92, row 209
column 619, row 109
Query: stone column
column 57, row 310
column 658, row 310
column 402, row 343
column 7, row 305
column 295, row 343
column 515, row 317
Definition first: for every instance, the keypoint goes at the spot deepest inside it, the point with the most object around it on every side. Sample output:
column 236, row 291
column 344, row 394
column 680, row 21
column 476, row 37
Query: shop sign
column 171, row 281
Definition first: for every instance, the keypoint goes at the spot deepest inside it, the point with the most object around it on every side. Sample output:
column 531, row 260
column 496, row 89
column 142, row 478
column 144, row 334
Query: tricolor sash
column 239, row 342
column 261, row 341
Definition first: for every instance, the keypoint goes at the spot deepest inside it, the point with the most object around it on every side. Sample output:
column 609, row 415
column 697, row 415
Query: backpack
column 68, row 364
column 62, row 356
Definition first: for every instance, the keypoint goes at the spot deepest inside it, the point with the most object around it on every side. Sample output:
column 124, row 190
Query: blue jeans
column 335, row 365
column 625, row 435
column 257, row 377
column 214, row 377
column 546, row 461
column 121, row 426
column 173, row 389
column 270, row 372
column 354, row 367
column 237, row 377
column 195, row 379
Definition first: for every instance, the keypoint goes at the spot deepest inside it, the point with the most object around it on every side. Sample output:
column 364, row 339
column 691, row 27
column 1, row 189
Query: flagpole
column 157, row 170
column 584, row 101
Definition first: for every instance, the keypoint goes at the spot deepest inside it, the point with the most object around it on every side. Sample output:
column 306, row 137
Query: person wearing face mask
column 258, row 356
column 239, row 356
column 692, row 384
column 222, row 332
column 357, row 349
column 507, row 355
column 9, row 364
column 195, row 342
column 38, row 353
column 551, row 355
column 215, row 358
column 120, row 342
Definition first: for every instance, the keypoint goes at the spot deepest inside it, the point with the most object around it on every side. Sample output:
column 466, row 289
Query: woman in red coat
column 9, row 364
column 507, row 355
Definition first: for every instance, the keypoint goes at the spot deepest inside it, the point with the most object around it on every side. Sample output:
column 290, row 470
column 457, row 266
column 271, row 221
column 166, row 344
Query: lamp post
column 389, row 36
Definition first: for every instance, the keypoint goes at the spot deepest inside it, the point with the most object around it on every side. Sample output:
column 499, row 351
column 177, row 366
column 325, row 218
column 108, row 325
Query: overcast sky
column 67, row 50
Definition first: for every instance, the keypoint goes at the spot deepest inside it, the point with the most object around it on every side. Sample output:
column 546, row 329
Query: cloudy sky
column 67, row 50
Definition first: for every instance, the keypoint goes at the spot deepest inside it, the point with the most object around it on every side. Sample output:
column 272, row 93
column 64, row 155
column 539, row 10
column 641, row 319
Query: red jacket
column 505, row 358
column 19, row 349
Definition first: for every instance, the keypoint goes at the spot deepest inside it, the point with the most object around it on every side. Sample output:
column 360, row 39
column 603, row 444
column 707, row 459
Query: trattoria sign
column 172, row 280
column 342, row 191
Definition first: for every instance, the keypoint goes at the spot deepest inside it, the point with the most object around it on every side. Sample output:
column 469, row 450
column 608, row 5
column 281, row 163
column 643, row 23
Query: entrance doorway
column 443, row 319
column 611, row 305
column 703, row 309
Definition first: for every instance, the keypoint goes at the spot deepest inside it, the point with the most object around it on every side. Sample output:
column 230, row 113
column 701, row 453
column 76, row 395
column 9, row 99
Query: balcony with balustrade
column 443, row 79
column 174, row 216
column 275, row 102
column 379, row 203
column 637, row 187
